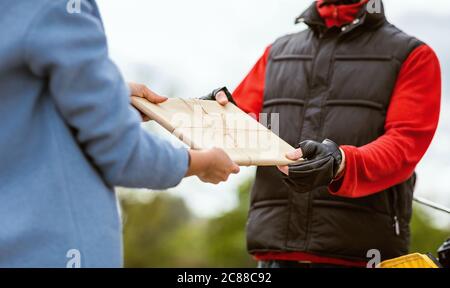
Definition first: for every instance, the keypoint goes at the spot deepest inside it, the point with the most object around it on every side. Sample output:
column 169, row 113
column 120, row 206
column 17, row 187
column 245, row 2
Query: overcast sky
column 195, row 46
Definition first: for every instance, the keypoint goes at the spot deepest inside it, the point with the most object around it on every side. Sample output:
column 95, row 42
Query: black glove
column 320, row 168
column 212, row 95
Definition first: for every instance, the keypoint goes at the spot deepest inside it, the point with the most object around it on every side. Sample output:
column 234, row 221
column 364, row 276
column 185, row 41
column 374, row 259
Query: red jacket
column 411, row 123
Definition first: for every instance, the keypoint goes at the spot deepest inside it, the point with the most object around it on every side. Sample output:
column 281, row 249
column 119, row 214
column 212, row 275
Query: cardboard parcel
column 203, row 124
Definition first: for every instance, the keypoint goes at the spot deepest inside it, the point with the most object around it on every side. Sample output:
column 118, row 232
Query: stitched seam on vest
column 361, row 57
column 270, row 203
column 283, row 101
column 294, row 57
column 355, row 102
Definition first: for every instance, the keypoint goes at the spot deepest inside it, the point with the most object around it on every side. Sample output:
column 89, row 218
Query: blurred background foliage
column 160, row 231
column 425, row 236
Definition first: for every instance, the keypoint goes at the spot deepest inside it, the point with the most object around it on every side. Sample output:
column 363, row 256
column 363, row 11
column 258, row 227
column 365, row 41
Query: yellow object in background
column 410, row 261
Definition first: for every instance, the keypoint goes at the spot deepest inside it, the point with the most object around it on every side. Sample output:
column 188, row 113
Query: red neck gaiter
column 339, row 14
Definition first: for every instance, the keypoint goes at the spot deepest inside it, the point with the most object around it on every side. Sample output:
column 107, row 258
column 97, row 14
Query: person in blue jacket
column 68, row 136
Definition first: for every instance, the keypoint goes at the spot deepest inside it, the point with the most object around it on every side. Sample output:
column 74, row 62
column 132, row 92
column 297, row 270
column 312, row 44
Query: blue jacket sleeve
column 70, row 52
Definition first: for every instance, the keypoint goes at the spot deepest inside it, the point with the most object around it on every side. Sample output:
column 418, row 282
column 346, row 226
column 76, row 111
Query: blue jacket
column 68, row 135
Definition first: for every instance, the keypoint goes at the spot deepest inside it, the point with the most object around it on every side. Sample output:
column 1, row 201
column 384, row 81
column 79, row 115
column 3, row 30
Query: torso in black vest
column 334, row 84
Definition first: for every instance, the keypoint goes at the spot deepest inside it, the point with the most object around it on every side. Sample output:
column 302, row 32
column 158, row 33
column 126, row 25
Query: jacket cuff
column 345, row 186
column 180, row 167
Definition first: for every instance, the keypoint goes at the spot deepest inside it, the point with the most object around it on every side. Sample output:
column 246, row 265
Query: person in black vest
column 363, row 100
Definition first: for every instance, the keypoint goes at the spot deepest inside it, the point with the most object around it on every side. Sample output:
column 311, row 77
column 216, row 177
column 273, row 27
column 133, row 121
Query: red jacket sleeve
column 411, row 123
column 249, row 95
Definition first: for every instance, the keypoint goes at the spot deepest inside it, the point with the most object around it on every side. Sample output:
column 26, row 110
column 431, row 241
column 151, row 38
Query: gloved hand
column 321, row 166
column 221, row 95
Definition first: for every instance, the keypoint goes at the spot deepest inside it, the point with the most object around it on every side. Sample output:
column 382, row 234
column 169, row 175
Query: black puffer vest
column 336, row 84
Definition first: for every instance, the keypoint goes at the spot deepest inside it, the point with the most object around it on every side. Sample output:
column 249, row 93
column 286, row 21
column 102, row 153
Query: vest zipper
column 310, row 196
column 391, row 204
column 397, row 226
column 394, row 214
column 310, row 83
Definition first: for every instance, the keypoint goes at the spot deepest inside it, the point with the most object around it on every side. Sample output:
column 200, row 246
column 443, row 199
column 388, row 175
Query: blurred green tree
column 426, row 237
column 161, row 232
column 226, row 235
column 148, row 227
